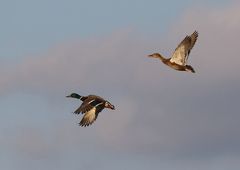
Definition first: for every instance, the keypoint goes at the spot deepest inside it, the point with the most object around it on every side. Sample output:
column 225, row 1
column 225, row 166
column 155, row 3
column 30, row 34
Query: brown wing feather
column 87, row 104
column 193, row 37
column 185, row 42
column 188, row 42
column 182, row 51
column 83, row 108
column 89, row 117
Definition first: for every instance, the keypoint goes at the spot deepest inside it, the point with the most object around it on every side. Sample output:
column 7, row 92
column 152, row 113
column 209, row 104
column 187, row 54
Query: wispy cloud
column 158, row 110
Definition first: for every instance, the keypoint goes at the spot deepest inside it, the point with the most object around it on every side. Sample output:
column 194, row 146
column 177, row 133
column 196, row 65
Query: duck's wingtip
column 196, row 32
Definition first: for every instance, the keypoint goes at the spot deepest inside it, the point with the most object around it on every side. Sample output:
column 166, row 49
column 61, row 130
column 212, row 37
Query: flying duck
column 90, row 107
column 178, row 61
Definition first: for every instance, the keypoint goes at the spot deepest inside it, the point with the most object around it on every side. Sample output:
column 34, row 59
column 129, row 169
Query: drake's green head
column 74, row 95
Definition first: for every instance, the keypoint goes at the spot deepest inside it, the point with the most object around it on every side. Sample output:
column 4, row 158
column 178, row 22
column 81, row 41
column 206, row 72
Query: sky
column 164, row 119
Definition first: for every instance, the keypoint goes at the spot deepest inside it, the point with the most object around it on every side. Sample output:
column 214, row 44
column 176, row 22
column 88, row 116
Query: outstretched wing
column 89, row 104
column 182, row 51
column 91, row 115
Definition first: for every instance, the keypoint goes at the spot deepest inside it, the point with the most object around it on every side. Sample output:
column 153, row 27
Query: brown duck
column 90, row 107
column 178, row 61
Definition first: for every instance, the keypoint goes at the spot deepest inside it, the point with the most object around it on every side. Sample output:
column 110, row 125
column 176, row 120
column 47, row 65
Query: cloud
column 158, row 110
column 79, row 64
column 217, row 48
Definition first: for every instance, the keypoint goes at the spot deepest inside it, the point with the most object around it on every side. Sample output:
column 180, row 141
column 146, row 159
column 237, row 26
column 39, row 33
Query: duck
column 91, row 106
column 179, row 58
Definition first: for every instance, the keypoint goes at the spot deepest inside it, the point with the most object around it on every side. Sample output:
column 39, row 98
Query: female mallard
column 178, row 61
column 90, row 107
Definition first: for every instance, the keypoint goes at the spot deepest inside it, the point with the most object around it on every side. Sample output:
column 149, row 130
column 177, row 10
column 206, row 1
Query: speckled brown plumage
column 92, row 105
column 178, row 61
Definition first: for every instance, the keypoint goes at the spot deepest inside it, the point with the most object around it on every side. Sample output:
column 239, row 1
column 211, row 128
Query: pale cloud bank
column 158, row 110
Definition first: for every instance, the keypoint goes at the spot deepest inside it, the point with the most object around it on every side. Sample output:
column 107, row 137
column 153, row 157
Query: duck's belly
column 176, row 67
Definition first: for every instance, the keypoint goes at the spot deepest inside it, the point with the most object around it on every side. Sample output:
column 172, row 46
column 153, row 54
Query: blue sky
column 30, row 27
column 163, row 119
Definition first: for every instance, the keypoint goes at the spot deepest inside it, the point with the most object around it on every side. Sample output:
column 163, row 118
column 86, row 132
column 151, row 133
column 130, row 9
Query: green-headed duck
column 178, row 61
column 90, row 107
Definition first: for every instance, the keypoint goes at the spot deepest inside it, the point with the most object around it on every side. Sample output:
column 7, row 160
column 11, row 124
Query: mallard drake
column 178, row 61
column 90, row 107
